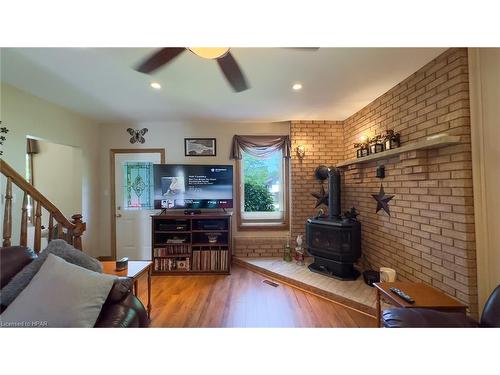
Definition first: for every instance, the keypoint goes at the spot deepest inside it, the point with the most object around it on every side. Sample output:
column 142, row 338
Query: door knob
column 118, row 215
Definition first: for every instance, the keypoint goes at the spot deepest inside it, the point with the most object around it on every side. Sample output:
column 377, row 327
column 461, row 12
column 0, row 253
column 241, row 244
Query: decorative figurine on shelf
column 352, row 214
column 321, row 213
column 299, row 240
column 299, row 251
column 391, row 139
column 376, row 145
column 287, row 252
column 362, row 149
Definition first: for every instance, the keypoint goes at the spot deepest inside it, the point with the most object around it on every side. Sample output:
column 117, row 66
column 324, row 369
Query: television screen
column 193, row 186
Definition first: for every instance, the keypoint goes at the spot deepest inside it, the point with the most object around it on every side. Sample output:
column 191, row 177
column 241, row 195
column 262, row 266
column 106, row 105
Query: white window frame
column 264, row 220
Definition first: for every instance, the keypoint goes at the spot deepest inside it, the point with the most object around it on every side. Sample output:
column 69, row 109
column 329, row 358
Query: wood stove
column 334, row 241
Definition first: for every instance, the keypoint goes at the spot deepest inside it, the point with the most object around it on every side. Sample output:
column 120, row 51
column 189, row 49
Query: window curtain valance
column 260, row 145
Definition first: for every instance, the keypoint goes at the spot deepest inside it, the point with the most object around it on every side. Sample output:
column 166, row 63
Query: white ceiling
column 100, row 82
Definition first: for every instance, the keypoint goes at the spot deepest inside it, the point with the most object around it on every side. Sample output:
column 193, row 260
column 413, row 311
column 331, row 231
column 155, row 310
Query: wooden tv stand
column 191, row 244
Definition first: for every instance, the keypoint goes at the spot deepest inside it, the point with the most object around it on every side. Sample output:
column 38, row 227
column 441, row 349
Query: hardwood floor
column 242, row 300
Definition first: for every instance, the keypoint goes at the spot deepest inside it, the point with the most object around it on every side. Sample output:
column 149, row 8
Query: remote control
column 402, row 294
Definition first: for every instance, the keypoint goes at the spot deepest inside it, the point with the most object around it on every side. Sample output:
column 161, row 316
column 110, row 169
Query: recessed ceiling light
column 155, row 85
column 297, row 86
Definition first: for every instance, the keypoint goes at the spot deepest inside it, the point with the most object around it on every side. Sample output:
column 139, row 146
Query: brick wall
column 322, row 139
column 259, row 247
column 324, row 143
column 429, row 236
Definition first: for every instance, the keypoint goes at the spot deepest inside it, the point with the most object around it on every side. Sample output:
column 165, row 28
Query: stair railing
column 59, row 227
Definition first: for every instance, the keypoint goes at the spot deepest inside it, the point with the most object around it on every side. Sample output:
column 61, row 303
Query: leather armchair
column 121, row 308
column 427, row 318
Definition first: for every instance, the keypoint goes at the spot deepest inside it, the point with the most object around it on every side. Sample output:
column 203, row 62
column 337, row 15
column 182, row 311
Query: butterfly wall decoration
column 137, row 135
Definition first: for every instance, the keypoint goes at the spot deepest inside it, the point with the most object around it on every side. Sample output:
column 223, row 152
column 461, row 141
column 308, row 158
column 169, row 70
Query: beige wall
column 170, row 136
column 485, row 123
column 49, row 163
column 27, row 115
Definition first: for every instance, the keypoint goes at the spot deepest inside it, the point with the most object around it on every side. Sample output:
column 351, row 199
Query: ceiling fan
column 224, row 58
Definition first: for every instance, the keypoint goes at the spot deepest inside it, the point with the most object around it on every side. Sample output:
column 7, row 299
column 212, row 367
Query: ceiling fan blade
column 232, row 72
column 160, row 58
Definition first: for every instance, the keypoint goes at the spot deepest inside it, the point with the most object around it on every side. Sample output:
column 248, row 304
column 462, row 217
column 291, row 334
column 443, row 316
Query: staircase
column 59, row 227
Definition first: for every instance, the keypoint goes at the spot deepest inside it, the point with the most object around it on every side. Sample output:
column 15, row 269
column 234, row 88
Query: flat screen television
column 185, row 186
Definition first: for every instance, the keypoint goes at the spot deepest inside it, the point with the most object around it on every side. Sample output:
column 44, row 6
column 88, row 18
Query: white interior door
column 133, row 181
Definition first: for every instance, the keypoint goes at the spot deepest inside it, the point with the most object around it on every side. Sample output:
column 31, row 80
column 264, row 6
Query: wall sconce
column 301, row 151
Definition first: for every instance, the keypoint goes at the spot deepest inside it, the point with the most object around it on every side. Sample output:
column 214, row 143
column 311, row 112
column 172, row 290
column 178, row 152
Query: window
column 263, row 191
column 262, row 174
column 138, row 185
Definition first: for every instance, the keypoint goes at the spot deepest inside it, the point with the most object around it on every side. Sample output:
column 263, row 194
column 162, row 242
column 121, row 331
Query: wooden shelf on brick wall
column 436, row 141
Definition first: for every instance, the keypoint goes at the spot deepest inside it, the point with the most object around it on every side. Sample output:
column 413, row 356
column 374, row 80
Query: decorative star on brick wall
column 382, row 200
column 321, row 197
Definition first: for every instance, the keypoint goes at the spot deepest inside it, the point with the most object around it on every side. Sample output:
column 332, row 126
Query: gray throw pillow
column 61, row 294
column 57, row 247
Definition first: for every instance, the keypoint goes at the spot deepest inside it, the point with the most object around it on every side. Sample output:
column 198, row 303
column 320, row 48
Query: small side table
column 136, row 269
column 425, row 296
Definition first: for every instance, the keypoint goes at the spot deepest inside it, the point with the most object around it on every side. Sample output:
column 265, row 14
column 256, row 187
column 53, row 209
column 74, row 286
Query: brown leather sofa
column 427, row 318
column 121, row 308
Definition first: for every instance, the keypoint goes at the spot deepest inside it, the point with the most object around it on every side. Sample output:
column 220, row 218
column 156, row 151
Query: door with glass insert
column 134, row 203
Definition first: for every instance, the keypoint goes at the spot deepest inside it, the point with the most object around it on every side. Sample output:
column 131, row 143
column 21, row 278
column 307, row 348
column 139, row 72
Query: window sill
column 263, row 227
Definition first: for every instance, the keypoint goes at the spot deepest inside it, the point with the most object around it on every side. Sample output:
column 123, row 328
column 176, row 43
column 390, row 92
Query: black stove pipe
column 333, row 193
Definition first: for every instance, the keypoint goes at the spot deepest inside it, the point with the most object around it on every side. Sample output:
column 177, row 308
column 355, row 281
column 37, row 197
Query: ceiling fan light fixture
column 155, row 85
column 209, row 52
column 223, row 57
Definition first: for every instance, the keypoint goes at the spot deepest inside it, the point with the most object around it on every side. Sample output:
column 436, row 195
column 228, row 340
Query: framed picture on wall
column 200, row 147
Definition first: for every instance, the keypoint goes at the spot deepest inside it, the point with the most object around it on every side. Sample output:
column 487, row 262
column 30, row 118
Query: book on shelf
column 177, row 249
